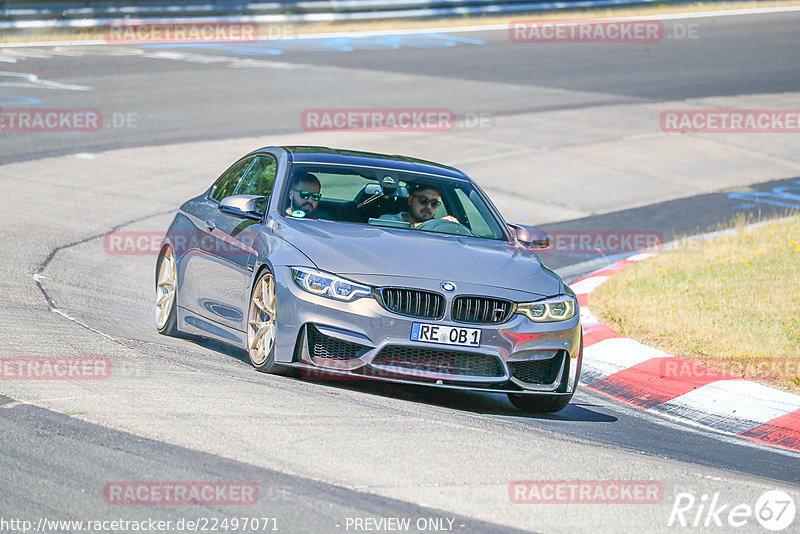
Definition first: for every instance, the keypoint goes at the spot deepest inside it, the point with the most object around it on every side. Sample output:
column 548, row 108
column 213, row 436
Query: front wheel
column 166, row 291
column 539, row 403
column 262, row 326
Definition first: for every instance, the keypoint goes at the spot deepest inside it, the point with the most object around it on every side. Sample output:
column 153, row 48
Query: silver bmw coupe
column 341, row 264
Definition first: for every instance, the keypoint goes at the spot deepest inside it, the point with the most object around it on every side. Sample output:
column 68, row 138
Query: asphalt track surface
column 195, row 98
column 321, row 453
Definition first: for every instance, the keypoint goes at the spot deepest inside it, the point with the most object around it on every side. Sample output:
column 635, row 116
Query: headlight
column 558, row 308
column 328, row 285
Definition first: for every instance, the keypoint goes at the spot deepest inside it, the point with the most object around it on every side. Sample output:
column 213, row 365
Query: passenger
column 304, row 196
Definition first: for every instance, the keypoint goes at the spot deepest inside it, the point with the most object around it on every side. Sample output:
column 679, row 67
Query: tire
column 166, row 293
column 262, row 326
column 546, row 403
column 539, row 403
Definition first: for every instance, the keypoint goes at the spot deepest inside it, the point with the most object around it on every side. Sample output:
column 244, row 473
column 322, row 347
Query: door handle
column 211, row 224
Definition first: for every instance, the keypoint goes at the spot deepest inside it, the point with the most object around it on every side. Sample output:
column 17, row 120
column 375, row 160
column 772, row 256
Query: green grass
column 732, row 304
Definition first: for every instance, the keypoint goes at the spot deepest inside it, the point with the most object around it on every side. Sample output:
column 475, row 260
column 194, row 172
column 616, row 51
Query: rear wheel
column 262, row 326
column 166, row 291
column 539, row 403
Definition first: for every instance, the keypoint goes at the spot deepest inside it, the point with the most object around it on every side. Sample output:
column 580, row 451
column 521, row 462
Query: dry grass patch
column 731, row 304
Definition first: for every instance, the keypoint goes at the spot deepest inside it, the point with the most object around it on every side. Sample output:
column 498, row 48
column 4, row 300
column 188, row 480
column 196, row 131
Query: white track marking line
column 33, row 81
column 587, row 317
column 739, row 404
column 588, row 285
column 642, row 256
column 617, row 354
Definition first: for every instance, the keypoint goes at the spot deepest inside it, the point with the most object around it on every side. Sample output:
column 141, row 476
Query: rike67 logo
column 774, row 510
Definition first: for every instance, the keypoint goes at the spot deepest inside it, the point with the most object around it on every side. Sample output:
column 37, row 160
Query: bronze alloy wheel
column 166, row 289
column 262, row 326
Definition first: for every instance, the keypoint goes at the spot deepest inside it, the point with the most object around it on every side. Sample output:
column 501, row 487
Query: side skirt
column 200, row 326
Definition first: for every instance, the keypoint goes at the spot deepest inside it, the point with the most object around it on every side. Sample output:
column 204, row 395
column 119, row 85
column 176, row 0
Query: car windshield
column 389, row 198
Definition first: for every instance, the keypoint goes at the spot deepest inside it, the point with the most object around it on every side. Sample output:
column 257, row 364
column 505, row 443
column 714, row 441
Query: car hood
column 372, row 255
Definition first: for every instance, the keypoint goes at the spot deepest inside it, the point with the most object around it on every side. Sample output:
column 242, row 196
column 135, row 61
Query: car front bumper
column 362, row 339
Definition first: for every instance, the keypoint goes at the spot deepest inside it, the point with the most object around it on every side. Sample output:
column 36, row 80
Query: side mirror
column 246, row 206
column 530, row 236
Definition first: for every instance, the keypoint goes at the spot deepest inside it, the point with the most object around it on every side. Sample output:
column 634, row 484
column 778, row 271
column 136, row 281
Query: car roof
column 321, row 154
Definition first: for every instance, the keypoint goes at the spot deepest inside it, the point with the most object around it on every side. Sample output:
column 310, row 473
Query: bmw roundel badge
column 448, row 286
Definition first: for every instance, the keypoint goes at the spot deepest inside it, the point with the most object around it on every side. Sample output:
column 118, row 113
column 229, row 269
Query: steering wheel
column 445, row 227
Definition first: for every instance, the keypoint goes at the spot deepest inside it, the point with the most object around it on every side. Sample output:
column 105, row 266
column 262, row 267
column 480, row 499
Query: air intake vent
column 538, row 372
column 330, row 348
column 439, row 361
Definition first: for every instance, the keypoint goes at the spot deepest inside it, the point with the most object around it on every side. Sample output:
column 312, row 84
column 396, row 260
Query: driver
column 304, row 195
column 423, row 200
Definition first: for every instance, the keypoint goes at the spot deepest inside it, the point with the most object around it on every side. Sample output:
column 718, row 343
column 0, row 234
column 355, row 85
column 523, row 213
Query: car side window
column 477, row 220
column 259, row 178
column 227, row 183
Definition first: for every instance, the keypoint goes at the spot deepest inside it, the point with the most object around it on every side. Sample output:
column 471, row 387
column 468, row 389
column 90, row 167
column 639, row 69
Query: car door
column 219, row 265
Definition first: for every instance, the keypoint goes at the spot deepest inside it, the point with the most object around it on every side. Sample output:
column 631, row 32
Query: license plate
column 447, row 335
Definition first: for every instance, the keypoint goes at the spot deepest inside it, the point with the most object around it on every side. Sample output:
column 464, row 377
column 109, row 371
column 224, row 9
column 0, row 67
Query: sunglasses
column 425, row 201
column 305, row 195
